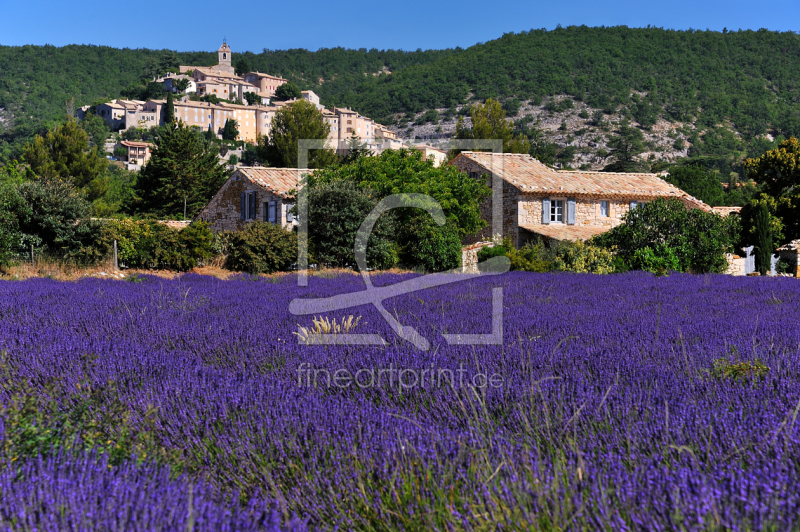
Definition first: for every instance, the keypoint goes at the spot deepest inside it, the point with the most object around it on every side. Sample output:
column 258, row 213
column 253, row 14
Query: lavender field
column 183, row 405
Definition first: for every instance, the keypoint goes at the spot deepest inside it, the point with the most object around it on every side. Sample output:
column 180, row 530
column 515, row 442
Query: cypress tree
column 763, row 234
column 169, row 114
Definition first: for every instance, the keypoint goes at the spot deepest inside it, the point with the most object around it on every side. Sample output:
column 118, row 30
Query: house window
column 604, row 209
column 270, row 214
column 634, row 204
column 289, row 216
column 249, row 206
column 556, row 211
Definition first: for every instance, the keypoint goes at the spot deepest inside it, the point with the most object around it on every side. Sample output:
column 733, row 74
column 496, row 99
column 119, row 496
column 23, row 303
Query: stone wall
column 223, row 212
column 735, row 265
column 510, row 224
column 469, row 256
column 792, row 256
column 587, row 210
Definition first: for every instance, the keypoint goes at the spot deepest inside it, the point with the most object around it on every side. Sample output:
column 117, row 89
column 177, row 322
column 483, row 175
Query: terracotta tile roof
column 725, row 211
column 216, row 72
column 280, row 181
column 565, row 232
column 262, row 75
column 135, row 144
column 175, row 224
column 791, row 246
column 531, row 176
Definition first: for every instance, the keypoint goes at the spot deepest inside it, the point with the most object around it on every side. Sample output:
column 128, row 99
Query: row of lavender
column 190, row 403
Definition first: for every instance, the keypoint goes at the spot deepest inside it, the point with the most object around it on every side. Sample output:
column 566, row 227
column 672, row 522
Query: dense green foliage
column 697, row 182
column 561, row 256
column 49, row 215
column 654, row 232
column 489, row 122
column 259, row 248
column 297, row 121
column 336, row 211
column 430, row 247
column 63, row 152
column 404, row 171
column 150, row 244
column 288, row 91
column 184, row 170
column 744, row 78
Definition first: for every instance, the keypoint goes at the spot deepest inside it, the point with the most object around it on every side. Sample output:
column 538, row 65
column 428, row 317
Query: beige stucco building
column 560, row 204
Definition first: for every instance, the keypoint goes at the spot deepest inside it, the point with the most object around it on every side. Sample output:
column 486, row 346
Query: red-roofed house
column 561, row 204
column 138, row 152
column 254, row 193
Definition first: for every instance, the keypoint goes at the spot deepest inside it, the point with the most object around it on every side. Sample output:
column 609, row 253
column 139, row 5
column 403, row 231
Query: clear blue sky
column 313, row 24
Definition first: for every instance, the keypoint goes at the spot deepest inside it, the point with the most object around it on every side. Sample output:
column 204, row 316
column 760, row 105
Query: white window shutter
column 546, row 210
column 634, row 204
column 571, row 211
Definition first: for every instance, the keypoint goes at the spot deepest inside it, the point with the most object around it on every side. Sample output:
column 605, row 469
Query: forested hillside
column 745, row 82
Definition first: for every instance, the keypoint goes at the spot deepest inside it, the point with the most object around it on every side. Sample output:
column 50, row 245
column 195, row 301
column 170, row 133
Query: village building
column 266, row 83
column 251, row 120
column 437, row 156
column 138, row 152
column 170, row 83
column 254, row 193
column 538, row 201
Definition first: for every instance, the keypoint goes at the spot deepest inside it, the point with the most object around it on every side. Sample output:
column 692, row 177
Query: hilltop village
column 255, row 92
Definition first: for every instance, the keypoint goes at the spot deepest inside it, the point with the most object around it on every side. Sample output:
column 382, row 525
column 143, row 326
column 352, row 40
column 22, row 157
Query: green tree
column 252, row 98
column 288, row 91
column 242, row 67
column 778, row 173
column 292, row 123
column 625, row 145
column 169, row 110
column 12, row 209
column 231, row 130
column 355, row 149
column 182, row 84
column 698, row 182
column 697, row 238
column 168, row 62
column 489, row 122
column 96, row 128
column 56, row 218
column 64, row 153
column 183, row 167
column 336, row 211
column 260, row 248
column 763, row 236
column 404, row 171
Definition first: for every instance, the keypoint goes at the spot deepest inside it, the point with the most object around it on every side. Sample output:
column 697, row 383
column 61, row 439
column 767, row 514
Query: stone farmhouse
column 561, row 204
column 254, row 193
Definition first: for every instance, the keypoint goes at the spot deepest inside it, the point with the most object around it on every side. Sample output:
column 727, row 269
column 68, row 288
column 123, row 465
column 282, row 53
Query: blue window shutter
column 571, row 211
column 272, row 216
column 546, row 210
column 252, row 211
column 244, row 206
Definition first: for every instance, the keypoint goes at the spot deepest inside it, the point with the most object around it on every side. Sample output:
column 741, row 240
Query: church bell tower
column 224, row 54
